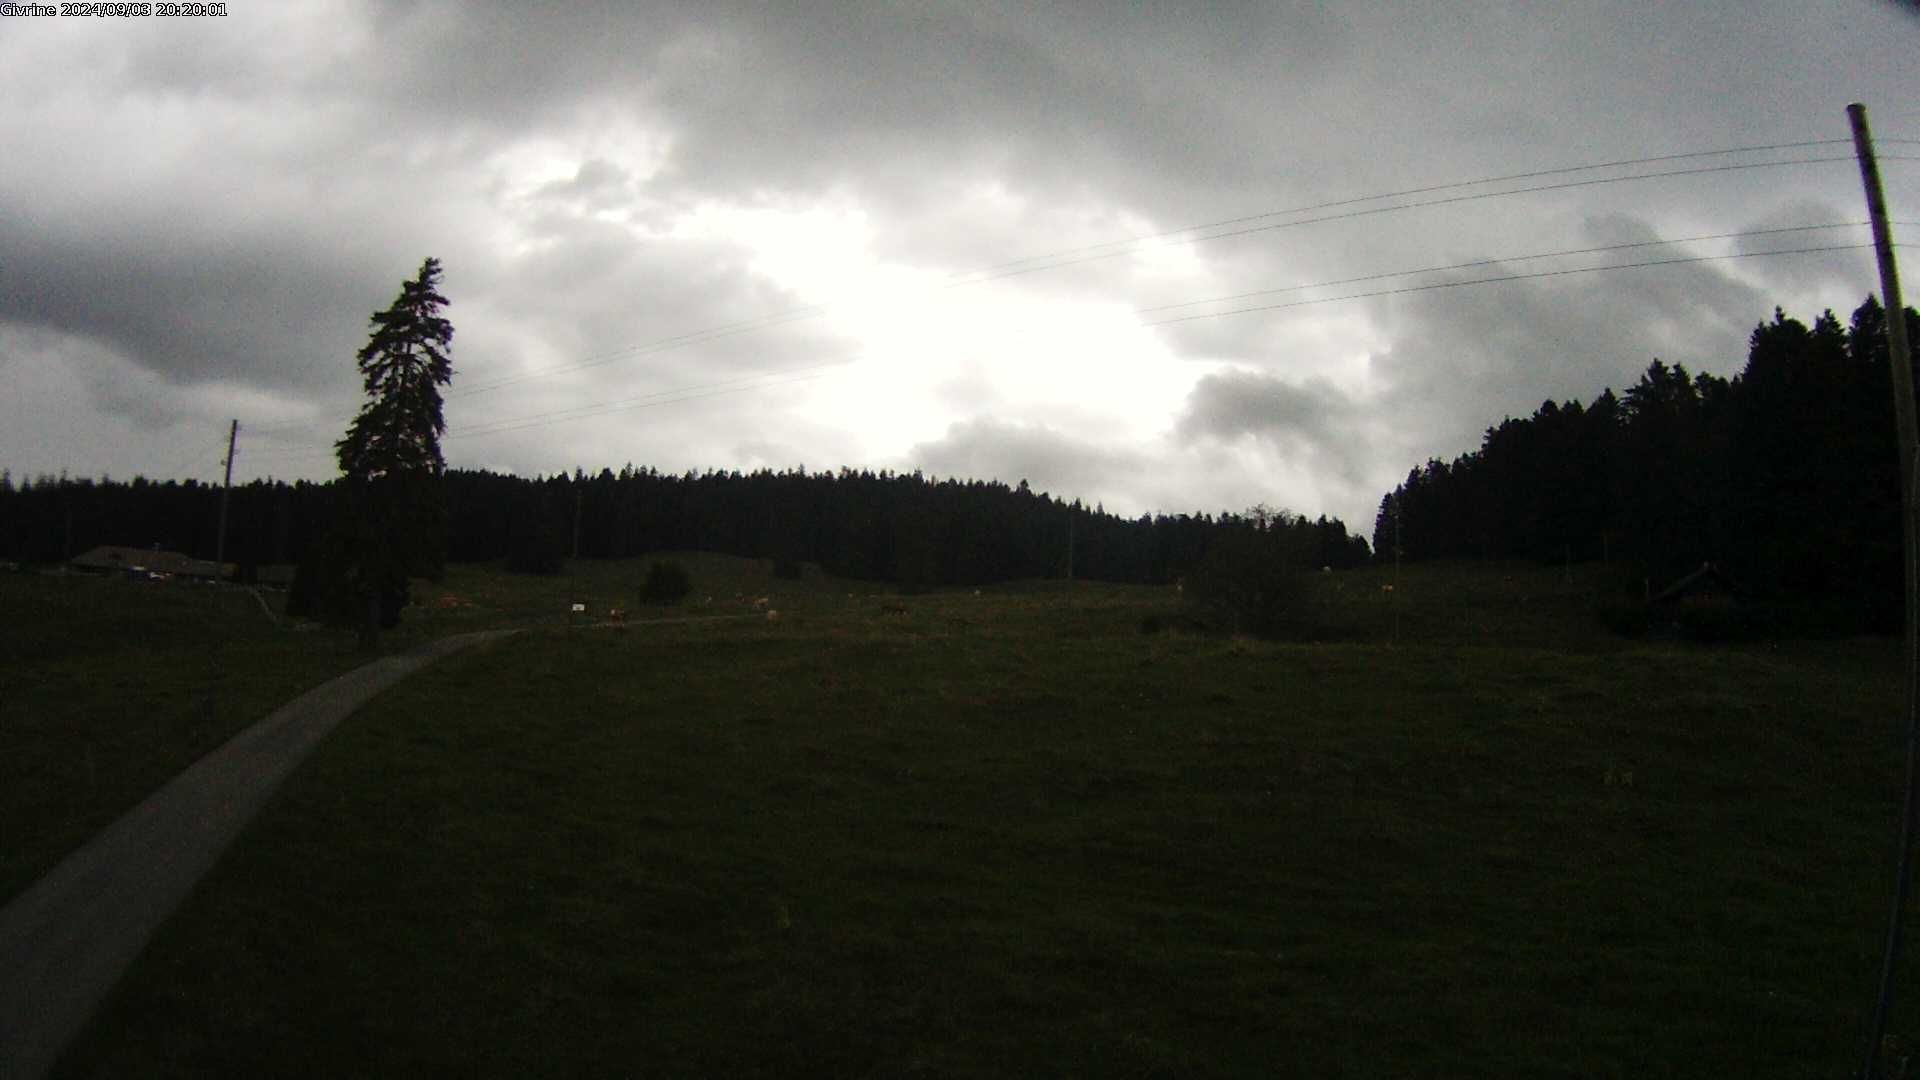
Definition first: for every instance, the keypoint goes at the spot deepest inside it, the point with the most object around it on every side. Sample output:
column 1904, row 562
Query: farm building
column 1706, row 605
column 149, row 563
column 1705, row 588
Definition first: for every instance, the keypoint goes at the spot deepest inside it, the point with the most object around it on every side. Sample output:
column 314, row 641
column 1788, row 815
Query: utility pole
column 226, row 487
column 1900, row 364
column 1399, row 508
column 573, row 591
column 1070, row 516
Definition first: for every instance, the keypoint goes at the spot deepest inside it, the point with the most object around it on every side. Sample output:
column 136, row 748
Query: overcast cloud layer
column 685, row 236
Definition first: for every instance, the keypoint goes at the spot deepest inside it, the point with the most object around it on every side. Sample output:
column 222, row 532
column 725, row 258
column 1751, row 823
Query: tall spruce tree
column 403, row 365
column 394, row 514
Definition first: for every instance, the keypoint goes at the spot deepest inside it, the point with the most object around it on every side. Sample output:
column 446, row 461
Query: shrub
column 1250, row 586
column 667, row 583
column 329, row 585
column 787, row 569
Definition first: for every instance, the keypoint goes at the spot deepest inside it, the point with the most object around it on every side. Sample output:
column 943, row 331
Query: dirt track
column 67, row 939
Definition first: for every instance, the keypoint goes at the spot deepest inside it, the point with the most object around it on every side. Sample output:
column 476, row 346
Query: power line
column 1076, row 256
column 1497, row 262
column 1507, row 277
column 1452, row 199
column 582, row 412
column 683, row 393
column 1428, row 189
column 654, row 401
column 696, row 337
column 590, row 411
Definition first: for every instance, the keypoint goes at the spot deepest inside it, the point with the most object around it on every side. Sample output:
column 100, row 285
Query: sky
column 958, row 238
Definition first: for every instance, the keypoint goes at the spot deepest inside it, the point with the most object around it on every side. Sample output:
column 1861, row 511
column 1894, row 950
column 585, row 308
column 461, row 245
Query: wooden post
column 573, row 592
column 1900, row 364
column 1070, row 517
column 226, row 487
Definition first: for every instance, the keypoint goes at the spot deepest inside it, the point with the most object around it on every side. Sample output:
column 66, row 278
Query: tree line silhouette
column 889, row 526
column 1785, row 478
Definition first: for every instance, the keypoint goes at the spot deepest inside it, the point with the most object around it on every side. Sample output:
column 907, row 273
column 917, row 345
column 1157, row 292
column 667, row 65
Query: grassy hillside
column 1011, row 833
column 108, row 688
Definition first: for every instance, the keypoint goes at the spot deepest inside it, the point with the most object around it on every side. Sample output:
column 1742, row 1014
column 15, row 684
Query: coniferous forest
column 1785, row 478
column 900, row 527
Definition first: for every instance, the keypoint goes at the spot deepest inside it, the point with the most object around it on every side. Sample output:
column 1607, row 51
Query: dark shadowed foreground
column 67, row 939
column 1012, row 834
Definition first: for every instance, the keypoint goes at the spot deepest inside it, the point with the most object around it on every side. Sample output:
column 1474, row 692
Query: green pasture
column 481, row 596
column 1013, row 834
column 109, row 688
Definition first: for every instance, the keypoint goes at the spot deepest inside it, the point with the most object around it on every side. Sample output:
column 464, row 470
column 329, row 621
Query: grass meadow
column 1013, row 834
column 109, row 688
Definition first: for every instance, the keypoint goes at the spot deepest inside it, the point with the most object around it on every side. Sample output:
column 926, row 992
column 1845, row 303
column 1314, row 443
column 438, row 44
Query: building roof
column 1707, row 579
column 114, row 557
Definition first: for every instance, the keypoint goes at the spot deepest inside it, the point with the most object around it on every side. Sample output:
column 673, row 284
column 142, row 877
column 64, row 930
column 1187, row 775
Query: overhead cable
column 1508, row 277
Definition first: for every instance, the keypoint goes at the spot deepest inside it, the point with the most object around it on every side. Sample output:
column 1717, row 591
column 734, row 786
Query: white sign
column 578, row 608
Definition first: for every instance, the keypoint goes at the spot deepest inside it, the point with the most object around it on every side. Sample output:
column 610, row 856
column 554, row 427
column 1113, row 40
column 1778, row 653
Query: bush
column 787, row 569
column 667, row 583
column 1250, row 586
column 330, row 585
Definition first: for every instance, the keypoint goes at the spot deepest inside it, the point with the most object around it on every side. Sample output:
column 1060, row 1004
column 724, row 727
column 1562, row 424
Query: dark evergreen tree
column 392, row 521
column 1785, row 477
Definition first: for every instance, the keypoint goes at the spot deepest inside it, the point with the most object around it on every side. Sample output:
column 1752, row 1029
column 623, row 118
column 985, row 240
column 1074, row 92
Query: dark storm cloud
column 227, row 205
column 1311, row 418
column 252, row 310
column 883, row 97
column 1114, row 102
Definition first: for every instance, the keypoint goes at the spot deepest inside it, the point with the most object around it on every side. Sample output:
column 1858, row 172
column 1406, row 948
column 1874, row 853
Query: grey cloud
column 1312, row 418
column 1049, row 460
column 259, row 193
column 1805, row 276
column 1235, row 403
column 1464, row 358
column 598, row 185
column 241, row 308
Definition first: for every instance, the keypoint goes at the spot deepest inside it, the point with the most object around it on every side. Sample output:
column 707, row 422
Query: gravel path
column 67, row 939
